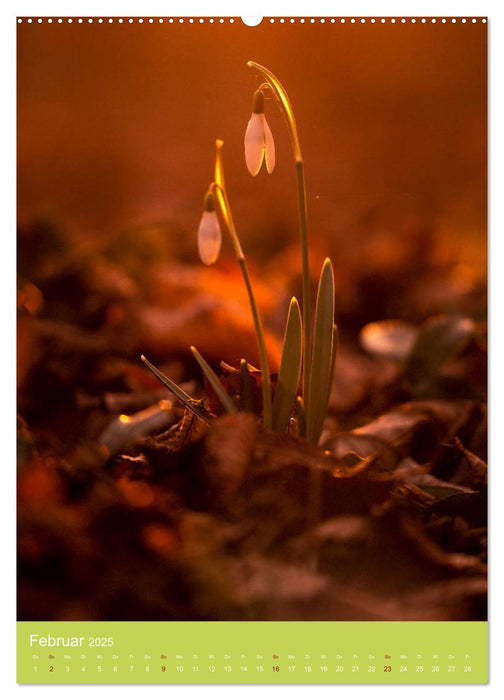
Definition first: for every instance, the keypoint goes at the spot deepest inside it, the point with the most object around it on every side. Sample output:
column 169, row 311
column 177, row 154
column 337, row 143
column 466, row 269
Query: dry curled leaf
column 413, row 429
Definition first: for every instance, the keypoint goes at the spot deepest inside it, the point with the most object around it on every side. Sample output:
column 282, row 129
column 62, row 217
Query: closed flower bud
column 209, row 232
column 259, row 144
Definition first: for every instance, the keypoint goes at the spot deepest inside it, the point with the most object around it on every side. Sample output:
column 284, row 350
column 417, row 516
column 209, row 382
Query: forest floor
column 156, row 516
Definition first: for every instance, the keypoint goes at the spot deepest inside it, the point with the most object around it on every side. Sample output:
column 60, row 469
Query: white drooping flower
column 209, row 232
column 259, row 144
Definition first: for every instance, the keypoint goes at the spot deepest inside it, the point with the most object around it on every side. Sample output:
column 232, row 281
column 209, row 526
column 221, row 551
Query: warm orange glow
column 159, row 538
column 137, row 493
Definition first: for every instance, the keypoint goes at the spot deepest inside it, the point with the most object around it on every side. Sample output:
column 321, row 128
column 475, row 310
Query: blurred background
column 117, row 123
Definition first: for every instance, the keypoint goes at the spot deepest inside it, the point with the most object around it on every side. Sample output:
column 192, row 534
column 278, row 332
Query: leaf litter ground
column 165, row 518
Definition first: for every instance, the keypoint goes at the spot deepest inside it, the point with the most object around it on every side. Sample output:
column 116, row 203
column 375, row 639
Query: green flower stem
column 286, row 107
column 225, row 211
column 265, row 372
column 307, row 345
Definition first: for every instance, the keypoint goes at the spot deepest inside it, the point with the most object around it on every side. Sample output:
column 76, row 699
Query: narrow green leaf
column 226, row 401
column 290, row 369
column 322, row 355
column 194, row 405
column 246, row 392
column 333, row 359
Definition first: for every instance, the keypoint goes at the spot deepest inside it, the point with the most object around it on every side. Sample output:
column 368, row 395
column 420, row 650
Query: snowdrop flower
column 259, row 144
column 209, row 232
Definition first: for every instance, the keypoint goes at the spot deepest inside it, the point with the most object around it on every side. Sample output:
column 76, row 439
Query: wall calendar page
column 252, row 350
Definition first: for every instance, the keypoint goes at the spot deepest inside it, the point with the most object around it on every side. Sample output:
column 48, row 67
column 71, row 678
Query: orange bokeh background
column 116, row 125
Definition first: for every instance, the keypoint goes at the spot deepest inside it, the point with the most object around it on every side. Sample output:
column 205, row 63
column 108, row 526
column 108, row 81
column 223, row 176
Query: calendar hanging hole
column 251, row 21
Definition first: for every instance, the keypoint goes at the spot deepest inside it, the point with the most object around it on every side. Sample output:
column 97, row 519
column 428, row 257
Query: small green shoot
column 194, row 405
column 290, row 369
column 226, row 401
column 322, row 355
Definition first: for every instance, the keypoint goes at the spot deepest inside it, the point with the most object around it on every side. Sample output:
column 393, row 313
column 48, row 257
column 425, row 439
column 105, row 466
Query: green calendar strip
column 252, row 652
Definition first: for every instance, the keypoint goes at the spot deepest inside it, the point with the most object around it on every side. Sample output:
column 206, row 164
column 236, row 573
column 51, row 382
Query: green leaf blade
column 322, row 356
column 192, row 404
column 290, row 369
column 226, row 401
column 334, row 352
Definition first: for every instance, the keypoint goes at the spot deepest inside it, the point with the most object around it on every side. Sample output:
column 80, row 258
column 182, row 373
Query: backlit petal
column 254, row 143
column 269, row 146
column 209, row 237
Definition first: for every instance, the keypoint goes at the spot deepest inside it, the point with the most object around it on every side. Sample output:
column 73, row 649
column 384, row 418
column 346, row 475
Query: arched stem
column 225, row 210
column 283, row 98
